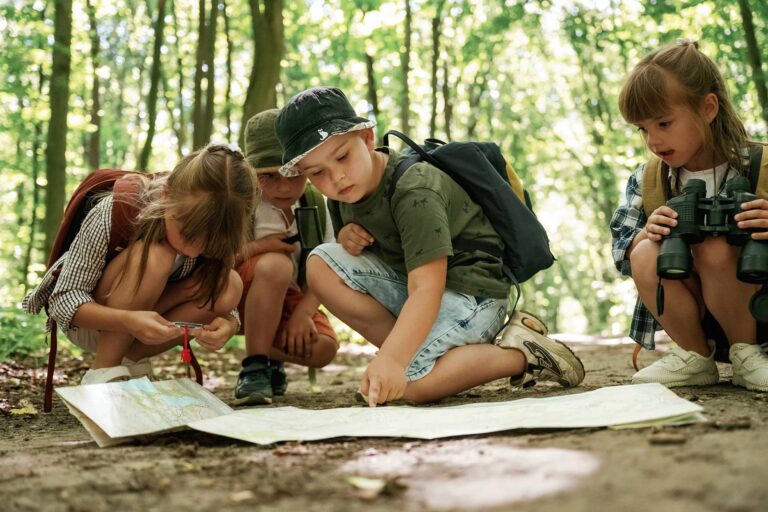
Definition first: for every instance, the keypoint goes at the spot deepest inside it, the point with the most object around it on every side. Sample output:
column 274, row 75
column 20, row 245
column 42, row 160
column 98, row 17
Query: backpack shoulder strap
column 654, row 187
column 313, row 197
column 758, row 170
column 125, row 209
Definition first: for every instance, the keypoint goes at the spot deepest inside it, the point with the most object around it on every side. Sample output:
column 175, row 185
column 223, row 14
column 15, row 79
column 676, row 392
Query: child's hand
column 383, row 381
column 150, row 328
column 353, row 238
column 215, row 334
column 274, row 243
column 660, row 222
column 754, row 215
column 299, row 335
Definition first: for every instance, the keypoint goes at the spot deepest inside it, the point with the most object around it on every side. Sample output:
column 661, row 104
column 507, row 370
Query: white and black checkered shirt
column 81, row 268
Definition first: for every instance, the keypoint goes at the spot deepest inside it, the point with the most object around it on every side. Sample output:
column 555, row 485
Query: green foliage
column 22, row 334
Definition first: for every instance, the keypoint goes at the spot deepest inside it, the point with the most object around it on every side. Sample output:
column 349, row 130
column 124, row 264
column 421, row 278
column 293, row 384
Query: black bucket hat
column 312, row 117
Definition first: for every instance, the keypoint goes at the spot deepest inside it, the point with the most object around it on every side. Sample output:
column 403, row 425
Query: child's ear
column 710, row 106
column 368, row 138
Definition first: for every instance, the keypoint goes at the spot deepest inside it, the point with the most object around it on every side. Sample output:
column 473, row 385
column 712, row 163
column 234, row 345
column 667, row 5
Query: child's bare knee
column 643, row 261
column 319, row 275
column 229, row 297
column 324, row 351
column 277, row 268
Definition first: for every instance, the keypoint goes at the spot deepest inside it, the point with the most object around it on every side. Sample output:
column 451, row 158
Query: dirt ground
column 48, row 461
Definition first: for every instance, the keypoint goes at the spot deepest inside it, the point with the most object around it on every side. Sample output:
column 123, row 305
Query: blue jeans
column 463, row 319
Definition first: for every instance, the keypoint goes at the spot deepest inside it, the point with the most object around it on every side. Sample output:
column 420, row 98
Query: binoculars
column 699, row 216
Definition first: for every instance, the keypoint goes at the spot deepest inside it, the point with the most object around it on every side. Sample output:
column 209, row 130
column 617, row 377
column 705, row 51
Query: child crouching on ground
column 395, row 277
column 679, row 102
column 177, row 267
column 280, row 322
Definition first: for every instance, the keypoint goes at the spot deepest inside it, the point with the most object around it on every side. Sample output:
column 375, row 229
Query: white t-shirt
column 712, row 177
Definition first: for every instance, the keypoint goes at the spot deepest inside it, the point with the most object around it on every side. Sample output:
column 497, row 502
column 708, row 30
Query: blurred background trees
column 134, row 85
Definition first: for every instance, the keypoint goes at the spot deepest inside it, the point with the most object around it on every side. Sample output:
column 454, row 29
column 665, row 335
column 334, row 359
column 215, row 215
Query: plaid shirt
column 627, row 221
column 81, row 269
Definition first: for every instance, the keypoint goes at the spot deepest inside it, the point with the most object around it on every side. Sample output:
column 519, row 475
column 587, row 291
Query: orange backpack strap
column 125, row 210
column 655, row 186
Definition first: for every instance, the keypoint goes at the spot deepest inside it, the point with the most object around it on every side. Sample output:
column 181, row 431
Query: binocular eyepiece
column 699, row 216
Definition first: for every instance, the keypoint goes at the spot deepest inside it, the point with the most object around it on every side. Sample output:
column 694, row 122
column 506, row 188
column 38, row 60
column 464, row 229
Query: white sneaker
column 680, row 368
column 102, row 375
column 140, row 368
column 750, row 366
column 547, row 359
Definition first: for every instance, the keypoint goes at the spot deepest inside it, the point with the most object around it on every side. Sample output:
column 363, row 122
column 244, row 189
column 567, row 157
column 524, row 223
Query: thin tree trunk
column 181, row 130
column 56, row 145
column 373, row 96
column 476, row 90
column 210, row 84
column 94, row 141
column 405, row 65
column 154, row 83
column 198, row 136
column 228, row 93
column 447, row 102
column 269, row 47
column 435, row 65
column 753, row 50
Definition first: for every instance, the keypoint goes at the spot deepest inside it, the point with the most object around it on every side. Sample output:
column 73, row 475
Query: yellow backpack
column 656, row 178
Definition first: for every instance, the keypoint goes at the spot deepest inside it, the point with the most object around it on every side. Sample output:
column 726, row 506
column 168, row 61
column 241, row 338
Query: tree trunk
column 753, row 50
column 198, row 137
column 94, row 142
column 373, row 97
column 405, row 65
column 181, row 130
column 447, row 102
column 210, row 84
column 269, row 47
column 56, row 145
column 435, row 65
column 154, row 82
column 228, row 92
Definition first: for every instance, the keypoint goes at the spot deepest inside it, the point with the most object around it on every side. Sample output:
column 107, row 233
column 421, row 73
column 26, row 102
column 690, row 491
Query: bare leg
column 463, row 368
column 684, row 306
column 272, row 274
column 323, row 352
column 725, row 296
column 130, row 292
column 358, row 310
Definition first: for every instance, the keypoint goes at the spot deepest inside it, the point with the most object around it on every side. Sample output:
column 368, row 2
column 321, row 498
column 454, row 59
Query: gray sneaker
column 548, row 359
column 254, row 384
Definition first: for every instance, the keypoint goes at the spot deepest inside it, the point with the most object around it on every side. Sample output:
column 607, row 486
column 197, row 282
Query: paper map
column 121, row 410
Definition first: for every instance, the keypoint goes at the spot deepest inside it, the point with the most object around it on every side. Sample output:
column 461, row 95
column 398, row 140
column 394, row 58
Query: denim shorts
column 463, row 319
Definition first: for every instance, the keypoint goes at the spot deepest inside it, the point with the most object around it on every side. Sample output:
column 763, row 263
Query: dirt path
column 48, row 462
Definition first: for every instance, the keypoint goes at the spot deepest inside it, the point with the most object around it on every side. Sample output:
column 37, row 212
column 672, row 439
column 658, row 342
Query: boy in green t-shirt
column 395, row 277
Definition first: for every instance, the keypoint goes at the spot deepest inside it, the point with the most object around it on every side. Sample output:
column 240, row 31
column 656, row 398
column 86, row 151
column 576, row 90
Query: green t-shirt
column 427, row 212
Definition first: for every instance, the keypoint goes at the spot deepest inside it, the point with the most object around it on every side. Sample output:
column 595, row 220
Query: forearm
column 413, row 325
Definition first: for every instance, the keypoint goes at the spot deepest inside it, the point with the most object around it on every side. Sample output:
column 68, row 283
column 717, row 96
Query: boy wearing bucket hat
column 395, row 277
column 280, row 322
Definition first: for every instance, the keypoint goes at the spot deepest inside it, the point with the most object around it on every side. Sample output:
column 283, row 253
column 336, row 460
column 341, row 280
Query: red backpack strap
column 125, row 209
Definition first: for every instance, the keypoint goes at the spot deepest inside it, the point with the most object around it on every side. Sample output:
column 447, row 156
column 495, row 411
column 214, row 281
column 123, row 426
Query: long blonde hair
column 681, row 74
column 211, row 193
